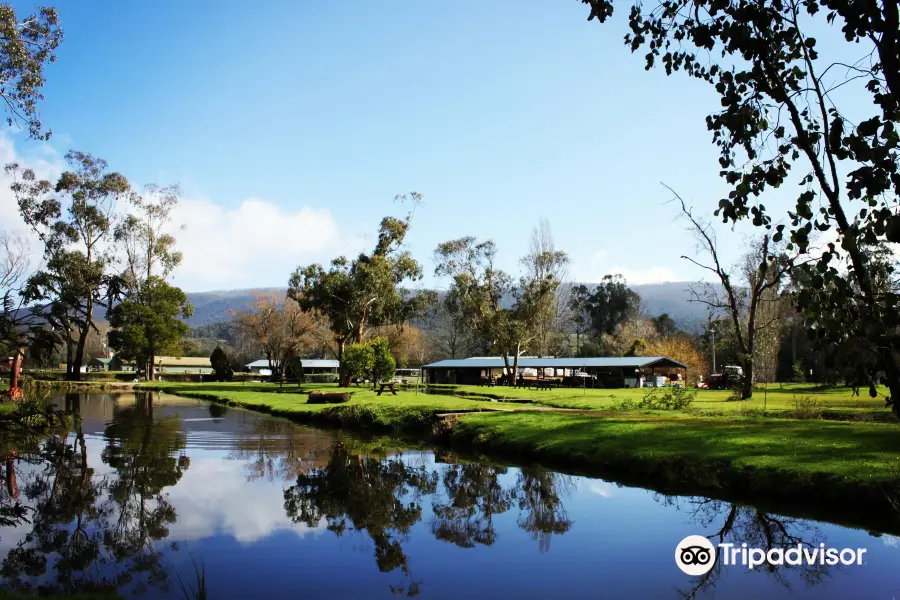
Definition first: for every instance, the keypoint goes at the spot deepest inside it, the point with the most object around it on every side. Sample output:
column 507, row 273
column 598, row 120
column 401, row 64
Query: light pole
column 712, row 333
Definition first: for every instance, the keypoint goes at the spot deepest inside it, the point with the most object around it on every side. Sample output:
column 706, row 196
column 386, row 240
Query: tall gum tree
column 368, row 291
column 148, row 253
column 74, row 220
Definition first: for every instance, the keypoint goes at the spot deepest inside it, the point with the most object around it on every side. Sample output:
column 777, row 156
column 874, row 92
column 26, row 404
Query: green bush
column 221, row 365
column 385, row 365
column 807, row 408
column 358, row 360
column 669, row 398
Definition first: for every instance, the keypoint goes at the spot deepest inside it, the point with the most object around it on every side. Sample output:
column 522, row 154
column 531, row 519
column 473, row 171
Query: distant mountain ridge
column 672, row 298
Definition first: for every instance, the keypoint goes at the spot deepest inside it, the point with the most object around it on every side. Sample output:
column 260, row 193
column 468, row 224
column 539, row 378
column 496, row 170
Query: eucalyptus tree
column 476, row 290
column 541, row 294
column 74, row 220
column 785, row 106
column 148, row 319
column 368, row 291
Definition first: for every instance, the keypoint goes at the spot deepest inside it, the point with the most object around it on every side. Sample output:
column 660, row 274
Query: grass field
column 776, row 398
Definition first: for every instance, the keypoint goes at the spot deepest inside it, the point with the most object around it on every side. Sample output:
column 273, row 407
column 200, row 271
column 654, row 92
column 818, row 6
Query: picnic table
column 543, row 384
column 387, row 386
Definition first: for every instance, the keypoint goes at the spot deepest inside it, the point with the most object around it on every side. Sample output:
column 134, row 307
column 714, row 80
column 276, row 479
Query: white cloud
column 256, row 243
column 214, row 498
column 601, row 488
column 601, row 262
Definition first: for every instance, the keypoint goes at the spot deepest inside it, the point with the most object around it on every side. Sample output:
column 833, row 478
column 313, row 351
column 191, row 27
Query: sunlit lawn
column 861, row 450
column 777, row 397
column 774, row 398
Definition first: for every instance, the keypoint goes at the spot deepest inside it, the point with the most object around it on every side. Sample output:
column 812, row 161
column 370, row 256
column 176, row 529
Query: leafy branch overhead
column 781, row 113
column 26, row 46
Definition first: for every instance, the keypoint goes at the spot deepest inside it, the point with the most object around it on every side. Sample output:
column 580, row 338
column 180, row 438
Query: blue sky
column 291, row 125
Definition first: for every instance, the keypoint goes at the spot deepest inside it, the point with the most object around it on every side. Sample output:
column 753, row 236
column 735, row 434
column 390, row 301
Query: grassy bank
column 777, row 400
column 812, row 465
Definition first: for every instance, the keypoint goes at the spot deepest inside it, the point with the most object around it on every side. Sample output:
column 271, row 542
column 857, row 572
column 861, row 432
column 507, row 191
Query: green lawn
column 862, row 451
column 776, row 398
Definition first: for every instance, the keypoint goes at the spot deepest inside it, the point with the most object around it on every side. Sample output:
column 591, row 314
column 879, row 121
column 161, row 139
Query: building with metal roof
column 603, row 371
column 310, row 366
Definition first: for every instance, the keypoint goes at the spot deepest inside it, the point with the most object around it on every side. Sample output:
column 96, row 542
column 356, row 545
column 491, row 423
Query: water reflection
column 357, row 493
column 726, row 522
column 110, row 503
column 100, row 531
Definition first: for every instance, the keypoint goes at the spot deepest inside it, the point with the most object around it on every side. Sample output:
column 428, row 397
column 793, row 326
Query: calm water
column 139, row 492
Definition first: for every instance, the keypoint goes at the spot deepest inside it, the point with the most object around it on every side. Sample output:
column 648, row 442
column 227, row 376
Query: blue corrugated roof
column 634, row 362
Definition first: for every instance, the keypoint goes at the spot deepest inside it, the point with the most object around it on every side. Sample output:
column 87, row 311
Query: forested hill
column 656, row 298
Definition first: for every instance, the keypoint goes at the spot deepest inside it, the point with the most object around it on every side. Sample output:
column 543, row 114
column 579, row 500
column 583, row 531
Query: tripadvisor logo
column 696, row 555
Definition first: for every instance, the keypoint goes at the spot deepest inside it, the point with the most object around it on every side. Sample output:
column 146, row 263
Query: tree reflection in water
column 540, row 501
column 474, row 497
column 384, row 497
column 100, row 533
column 97, row 534
column 737, row 524
column 355, row 493
column 148, row 457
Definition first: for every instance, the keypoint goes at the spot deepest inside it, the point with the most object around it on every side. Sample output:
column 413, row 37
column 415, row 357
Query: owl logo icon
column 695, row 555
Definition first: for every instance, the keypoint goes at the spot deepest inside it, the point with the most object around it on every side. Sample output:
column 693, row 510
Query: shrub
column 221, row 365
column 797, row 373
column 670, row 398
column 807, row 408
column 328, row 397
column 358, row 360
column 385, row 365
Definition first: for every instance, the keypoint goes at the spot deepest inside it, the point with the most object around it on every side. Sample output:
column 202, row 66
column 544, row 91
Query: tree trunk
column 343, row 377
column 892, row 373
column 79, row 352
column 510, row 379
column 70, row 352
column 151, row 368
column 747, row 380
column 516, row 363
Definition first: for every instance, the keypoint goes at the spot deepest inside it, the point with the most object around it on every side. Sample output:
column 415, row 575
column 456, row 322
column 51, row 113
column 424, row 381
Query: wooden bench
column 387, row 386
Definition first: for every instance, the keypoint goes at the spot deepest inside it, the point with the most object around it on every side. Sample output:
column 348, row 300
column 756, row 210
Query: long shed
column 605, row 371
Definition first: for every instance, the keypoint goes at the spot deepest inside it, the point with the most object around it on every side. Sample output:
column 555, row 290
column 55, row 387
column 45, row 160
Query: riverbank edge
column 811, row 496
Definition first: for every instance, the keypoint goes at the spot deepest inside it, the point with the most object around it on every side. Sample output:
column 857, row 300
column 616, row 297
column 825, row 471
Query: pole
column 712, row 332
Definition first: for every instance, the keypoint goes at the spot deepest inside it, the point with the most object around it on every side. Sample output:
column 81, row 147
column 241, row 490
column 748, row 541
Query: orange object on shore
column 15, row 369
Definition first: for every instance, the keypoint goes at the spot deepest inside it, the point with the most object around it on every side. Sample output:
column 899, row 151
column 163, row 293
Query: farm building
column 168, row 364
column 260, row 366
column 183, row 364
column 615, row 371
column 314, row 366
column 311, row 366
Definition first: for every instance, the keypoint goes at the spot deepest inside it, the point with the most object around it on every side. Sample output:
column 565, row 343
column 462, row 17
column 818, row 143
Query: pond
column 147, row 494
